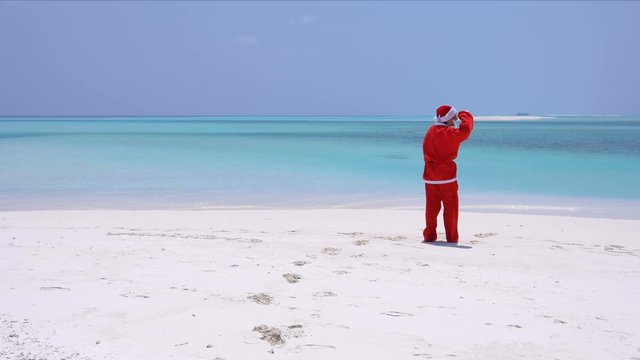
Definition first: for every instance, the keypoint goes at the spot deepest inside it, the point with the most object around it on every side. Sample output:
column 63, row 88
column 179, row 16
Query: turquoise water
column 305, row 161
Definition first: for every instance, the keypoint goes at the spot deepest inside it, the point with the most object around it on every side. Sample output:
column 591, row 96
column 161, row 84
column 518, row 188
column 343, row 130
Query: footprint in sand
column 392, row 238
column 331, row 251
column 48, row 288
column 270, row 334
column 276, row 337
column 132, row 295
column 350, row 233
column 484, row 235
column 619, row 249
column 340, row 272
column 292, row 278
column 396, row 313
column 316, row 346
column 324, row 294
column 295, row 331
column 182, row 288
column 261, row 298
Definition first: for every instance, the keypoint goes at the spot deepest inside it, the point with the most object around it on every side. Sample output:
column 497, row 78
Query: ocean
column 576, row 165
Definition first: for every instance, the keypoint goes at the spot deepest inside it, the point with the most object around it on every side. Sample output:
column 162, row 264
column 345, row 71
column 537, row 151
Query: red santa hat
column 445, row 113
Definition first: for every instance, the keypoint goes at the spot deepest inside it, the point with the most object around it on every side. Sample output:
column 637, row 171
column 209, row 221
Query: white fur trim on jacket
column 440, row 182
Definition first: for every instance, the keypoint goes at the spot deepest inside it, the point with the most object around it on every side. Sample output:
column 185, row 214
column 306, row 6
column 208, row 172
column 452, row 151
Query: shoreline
column 314, row 284
column 491, row 209
column 584, row 207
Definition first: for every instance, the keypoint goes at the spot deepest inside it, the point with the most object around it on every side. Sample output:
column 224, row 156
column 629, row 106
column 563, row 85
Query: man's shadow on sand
column 447, row 244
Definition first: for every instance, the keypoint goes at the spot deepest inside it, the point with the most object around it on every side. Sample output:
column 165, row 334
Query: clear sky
column 279, row 58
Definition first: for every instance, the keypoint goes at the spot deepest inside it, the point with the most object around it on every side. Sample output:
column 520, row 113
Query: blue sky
column 277, row 58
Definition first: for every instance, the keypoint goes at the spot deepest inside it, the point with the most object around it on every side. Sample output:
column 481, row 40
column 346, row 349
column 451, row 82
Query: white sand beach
column 315, row 284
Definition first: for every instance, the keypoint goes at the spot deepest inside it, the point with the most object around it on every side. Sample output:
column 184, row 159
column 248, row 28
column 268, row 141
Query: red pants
column 446, row 194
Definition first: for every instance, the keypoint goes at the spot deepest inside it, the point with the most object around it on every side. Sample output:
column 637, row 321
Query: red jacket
column 440, row 148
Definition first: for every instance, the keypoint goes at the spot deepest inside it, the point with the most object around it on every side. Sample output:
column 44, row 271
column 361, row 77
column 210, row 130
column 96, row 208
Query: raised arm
column 466, row 126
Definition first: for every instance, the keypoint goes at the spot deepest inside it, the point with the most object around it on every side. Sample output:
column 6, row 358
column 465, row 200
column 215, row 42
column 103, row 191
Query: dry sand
column 315, row 284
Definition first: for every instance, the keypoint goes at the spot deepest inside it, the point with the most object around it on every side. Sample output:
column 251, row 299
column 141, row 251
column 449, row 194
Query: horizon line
column 303, row 115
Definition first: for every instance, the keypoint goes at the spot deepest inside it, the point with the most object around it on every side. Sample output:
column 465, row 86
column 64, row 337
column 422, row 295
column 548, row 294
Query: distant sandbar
column 511, row 118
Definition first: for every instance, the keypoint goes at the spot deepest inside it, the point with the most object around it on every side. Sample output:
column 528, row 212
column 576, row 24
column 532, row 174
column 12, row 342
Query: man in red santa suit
column 440, row 149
